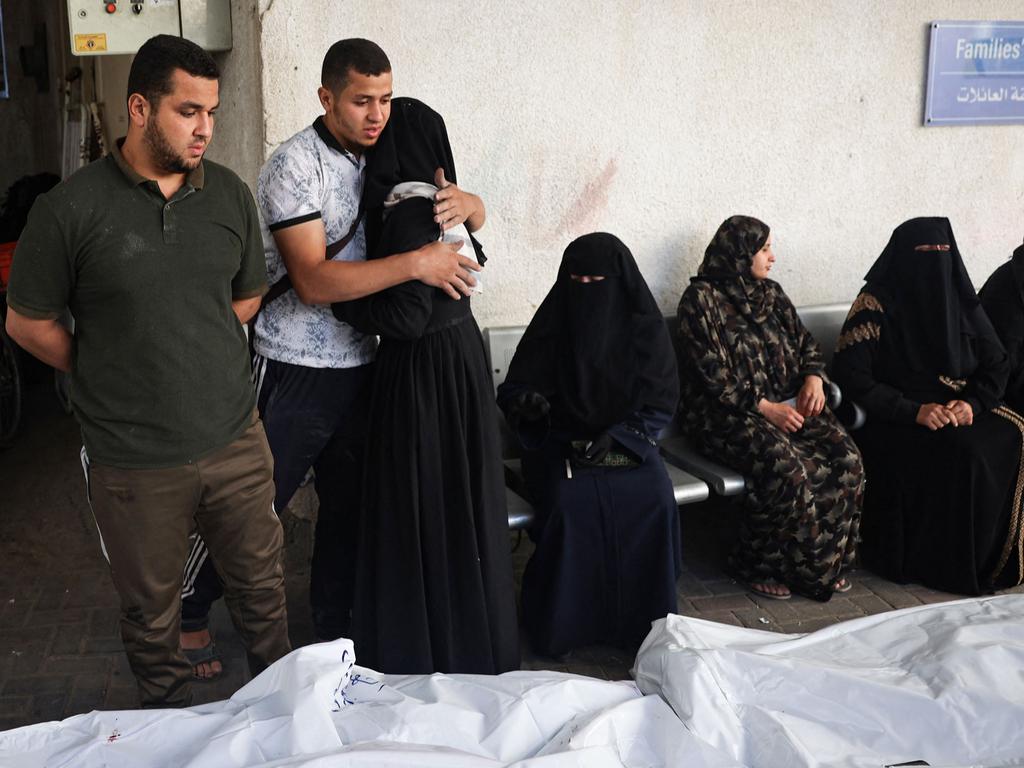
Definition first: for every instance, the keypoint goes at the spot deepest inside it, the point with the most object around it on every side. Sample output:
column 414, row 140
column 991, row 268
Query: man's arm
column 46, row 339
column 320, row 281
column 245, row 309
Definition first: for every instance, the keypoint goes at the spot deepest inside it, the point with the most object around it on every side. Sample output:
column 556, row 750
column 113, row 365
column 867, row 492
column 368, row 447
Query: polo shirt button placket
column 169, row 233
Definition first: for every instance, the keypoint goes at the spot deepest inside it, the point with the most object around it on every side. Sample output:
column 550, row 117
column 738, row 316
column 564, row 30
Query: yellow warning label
column 90, row 43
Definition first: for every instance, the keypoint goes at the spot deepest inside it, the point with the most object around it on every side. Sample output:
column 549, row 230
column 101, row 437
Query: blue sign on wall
column 975, row 73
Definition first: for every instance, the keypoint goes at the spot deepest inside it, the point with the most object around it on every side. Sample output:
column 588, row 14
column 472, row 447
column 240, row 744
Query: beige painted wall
column 112, row 93
column 238, row 141
column 656, row 120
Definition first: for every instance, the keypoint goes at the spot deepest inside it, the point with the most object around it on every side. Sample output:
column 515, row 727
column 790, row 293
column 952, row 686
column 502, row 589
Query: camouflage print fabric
column 803, row 500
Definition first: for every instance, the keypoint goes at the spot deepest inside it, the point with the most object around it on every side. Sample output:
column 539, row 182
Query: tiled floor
column 60, row 653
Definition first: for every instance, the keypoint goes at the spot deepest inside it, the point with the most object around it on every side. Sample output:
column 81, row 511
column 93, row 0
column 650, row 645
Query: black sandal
column 205, row 655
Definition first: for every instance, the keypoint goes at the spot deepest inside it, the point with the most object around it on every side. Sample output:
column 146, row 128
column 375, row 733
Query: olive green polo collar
column 193, row 178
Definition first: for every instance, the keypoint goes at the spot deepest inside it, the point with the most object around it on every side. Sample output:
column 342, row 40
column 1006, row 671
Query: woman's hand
column 810, row 400
column 531, row 406
column 936, row 416
column 453, row 206
column 785, row 417
column 595, row 451
column 962, row 412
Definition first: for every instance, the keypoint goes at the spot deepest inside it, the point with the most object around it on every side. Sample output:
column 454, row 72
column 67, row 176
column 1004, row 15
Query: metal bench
column 824, row 321
column 500, row 344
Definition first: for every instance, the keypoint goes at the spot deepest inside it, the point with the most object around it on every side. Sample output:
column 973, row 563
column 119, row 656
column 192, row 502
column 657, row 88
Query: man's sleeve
column 251, row 280
column 42, row 275
column 290, row 189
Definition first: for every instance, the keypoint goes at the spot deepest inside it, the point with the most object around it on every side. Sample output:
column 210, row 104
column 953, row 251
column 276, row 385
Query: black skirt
column 434, row 587
column 939, row 505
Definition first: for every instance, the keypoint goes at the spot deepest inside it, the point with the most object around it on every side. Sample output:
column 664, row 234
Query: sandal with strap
column 760, row 588
column 205, row 655
column 841, row 585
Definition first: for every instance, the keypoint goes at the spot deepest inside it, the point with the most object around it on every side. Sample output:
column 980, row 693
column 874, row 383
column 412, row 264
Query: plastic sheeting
column 941, row 683
column 315, row 708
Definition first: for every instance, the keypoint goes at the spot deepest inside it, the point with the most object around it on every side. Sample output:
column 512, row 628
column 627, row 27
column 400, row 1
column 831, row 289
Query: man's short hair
column 363, row 56
column 153, row 67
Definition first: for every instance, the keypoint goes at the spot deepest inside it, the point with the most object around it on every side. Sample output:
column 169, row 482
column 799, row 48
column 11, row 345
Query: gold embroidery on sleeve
column 956, row 385
column 1015, row 534
column 857, row 334
column 864, row 301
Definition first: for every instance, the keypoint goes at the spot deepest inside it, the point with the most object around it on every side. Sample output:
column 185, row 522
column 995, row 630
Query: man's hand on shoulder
column 453, row 205
column 440, row 265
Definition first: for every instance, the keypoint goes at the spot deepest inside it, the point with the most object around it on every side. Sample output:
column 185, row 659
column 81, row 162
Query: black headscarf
column 412, row 146
column 598, row 351
column 1017, row 265
column 929, row 299
column 727, row 262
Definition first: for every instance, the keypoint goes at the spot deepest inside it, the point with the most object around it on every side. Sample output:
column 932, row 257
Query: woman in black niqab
column 590, row 387
column 942, row 453
column 434, row 587
column 603, row 340
column 1002, row 298
column 930, row 294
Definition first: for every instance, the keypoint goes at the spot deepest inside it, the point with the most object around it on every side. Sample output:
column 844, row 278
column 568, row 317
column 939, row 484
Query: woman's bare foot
column 202, row 653
column 842, row 584
column 771, row 589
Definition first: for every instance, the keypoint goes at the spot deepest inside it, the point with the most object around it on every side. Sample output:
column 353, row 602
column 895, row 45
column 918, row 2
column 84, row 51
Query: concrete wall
column 656, row 120
column 30, row 121
column 238, row 140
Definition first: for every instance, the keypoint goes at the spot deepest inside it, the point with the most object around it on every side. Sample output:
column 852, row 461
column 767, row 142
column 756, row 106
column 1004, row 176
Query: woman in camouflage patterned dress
column 753, row 397
column 943, row 455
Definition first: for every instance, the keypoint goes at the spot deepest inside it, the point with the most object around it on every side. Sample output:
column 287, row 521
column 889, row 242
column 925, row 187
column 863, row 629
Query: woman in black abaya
column 942, row 455
column 589, row 389
column 434, row 588
column 1002, row 298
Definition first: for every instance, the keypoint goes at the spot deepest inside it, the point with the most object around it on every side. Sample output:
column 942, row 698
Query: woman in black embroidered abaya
column 434, row 589
column 942, row 454
column 1002, row 298
column 752, row 397
column 590, row 387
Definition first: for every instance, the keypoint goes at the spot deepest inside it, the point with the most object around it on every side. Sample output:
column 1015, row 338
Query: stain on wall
column 656, row 121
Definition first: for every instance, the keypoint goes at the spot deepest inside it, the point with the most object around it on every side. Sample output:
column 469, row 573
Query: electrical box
column 100, row 27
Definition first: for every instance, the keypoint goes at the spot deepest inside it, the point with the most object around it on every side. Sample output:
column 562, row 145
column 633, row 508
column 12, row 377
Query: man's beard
column 163, row 155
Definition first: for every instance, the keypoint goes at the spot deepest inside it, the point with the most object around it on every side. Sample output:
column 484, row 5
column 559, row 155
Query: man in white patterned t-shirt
column 311, row 371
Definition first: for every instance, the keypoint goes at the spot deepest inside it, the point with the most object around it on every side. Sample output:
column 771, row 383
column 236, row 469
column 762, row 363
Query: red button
column 111, row 7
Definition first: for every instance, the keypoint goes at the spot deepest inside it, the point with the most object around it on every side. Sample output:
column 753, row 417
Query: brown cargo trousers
column 145, row 516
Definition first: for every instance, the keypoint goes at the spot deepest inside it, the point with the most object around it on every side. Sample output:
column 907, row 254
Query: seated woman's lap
column 763, row 453
column 942, row 496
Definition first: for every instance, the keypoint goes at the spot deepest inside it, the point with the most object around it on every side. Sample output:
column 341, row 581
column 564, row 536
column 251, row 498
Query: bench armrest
column 834, row 395
column 724, row 481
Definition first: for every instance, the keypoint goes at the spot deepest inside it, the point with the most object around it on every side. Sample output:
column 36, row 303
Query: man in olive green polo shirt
column 159, row 257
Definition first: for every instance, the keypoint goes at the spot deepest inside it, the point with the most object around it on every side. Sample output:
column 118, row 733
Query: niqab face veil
column 600, row 350
column 727, row 263
column 928, row 296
